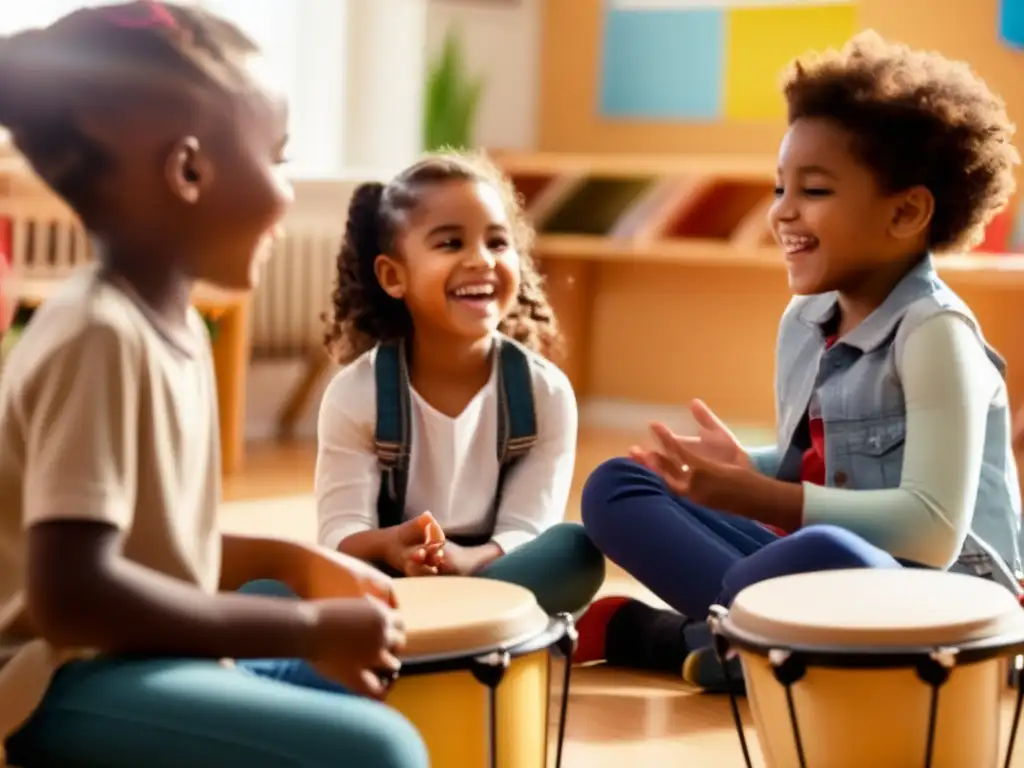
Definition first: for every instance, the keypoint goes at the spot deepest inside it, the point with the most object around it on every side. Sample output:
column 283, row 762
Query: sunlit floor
column 615, row 718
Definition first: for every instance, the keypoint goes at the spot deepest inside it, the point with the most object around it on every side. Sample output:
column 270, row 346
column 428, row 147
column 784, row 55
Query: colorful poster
column 710, row 60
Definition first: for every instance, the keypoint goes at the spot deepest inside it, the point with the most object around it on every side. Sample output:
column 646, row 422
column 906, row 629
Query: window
column 303, row 41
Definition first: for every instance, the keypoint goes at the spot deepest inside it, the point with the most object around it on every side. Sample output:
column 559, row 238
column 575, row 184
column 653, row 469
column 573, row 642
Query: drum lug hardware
column 788, row 668
column 716, row 613
column 935, row 670
column 722, row 649
column 490, row 668
column 567, row 643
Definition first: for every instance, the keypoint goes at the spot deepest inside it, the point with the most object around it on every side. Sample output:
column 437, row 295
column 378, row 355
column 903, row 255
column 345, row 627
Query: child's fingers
column 675, row 475
column 672, row 447
column 434, row 554
column 434, row 533
column 643, row 457
column 705, row 417
column 420, row 569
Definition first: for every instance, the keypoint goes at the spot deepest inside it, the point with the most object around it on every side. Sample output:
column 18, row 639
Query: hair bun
column 363, row 210
column 367, row 196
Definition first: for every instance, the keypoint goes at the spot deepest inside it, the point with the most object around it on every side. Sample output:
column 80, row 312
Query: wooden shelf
column 723, row 206
column 531, row 186
column 702, row 211
column 596, row 205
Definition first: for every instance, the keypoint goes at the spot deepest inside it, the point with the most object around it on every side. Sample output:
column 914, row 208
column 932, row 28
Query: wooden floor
column 615, row 718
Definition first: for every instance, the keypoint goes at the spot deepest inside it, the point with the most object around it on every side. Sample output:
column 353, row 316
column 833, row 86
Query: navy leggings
column 693, row 557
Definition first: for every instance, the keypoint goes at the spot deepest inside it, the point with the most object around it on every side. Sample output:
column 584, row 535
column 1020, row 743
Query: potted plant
column 451, row 100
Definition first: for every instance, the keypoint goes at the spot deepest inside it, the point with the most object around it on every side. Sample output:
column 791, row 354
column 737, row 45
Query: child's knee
column 837, row 547
column 604, row 491
column 387, row 740
column 572, row 543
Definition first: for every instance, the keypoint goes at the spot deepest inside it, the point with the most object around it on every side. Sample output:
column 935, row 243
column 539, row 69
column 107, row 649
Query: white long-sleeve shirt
column 454, row 468
column 948, row 385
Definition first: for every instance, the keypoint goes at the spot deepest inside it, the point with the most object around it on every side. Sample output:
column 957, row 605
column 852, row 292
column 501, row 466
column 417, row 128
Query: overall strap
column 517, row 416
column 393, row 436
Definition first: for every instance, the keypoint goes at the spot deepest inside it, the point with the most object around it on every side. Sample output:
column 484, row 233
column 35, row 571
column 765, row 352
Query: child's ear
column 188, row 170
column 912, row 214
column 391, row 276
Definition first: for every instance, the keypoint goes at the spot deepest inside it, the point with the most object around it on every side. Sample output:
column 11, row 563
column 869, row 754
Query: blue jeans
column 193, row 713
column 693, row 557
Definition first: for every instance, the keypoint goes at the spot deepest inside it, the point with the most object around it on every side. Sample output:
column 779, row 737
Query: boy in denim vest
column 893, row 435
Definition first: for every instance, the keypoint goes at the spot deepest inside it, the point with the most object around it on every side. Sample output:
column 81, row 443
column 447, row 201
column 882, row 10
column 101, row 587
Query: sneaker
column 703, row 669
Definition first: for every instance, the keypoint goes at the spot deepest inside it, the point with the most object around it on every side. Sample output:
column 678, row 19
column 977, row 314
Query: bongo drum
column 476, row 671
column 856, row 668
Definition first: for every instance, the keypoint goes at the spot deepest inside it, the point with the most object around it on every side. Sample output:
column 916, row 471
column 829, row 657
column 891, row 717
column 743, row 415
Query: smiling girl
column 447, row 443
column 893, row 436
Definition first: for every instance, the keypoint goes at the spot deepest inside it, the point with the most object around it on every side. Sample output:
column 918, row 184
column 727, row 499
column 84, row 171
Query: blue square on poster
column 663, row 65
column 1011, row 22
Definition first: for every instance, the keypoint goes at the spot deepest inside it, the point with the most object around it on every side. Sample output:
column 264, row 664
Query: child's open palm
column 713, row 441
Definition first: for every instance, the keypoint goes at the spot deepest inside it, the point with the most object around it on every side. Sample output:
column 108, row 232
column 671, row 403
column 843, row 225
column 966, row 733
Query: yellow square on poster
column 760, row 42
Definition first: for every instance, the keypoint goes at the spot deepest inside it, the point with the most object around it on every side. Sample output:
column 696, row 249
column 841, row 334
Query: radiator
column 46, row 242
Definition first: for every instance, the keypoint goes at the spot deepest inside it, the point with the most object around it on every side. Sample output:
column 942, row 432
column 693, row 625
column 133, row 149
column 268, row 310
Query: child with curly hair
column 447, row 443
column 118, row 592
column 893, row 436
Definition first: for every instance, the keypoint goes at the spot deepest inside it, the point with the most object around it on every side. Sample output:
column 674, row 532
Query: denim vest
column 864, row 413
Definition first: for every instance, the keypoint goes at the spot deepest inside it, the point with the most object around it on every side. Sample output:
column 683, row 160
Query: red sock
column 593, row 629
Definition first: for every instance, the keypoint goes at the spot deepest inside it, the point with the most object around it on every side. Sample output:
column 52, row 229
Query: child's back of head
column 149, row 120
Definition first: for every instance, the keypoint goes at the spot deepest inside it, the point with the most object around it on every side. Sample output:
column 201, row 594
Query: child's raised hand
column 417, row 546
column 686, row 469
column 714, row 440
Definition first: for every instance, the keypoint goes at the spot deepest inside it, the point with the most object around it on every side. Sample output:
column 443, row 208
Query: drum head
column 904, row 608
column 454, row 614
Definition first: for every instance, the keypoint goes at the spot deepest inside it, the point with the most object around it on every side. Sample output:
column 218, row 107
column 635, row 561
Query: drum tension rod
column 566, row 646
column 715, row 615
column 1016, row 715
column 789, row 669
column 934, row 670
column 489, row 670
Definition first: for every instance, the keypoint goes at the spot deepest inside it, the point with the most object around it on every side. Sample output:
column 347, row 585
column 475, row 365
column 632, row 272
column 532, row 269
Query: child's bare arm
column 83, row 592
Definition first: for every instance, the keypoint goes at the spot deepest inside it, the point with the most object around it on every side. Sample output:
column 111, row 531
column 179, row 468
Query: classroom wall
column 501, row 39
column 570, row 60
column 662, row 334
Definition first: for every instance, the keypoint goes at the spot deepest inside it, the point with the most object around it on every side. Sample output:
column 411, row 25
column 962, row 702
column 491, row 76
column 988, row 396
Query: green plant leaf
column 451, row 99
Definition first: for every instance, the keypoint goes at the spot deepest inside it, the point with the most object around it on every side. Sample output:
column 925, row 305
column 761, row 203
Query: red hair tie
column 142, row 15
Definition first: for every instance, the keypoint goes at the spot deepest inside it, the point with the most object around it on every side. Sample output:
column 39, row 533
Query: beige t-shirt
column 105, row 415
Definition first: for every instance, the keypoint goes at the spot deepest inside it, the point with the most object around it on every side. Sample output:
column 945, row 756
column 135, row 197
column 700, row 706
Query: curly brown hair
column 107, row 58
column 365, row 315
column 916, row 118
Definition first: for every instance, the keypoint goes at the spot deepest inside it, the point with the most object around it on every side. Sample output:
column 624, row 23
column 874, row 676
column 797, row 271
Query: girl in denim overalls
column 893, row 435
